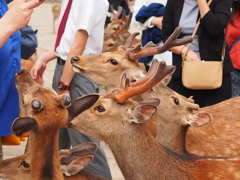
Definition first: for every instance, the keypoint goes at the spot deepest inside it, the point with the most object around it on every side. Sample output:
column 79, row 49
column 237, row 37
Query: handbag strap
column 193, row 34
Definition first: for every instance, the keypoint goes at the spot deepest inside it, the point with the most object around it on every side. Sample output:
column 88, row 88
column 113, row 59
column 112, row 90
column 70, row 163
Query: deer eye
column 111, row 45
column 36, row 105
column 113, row 62
column 99, row 109
column 175, row 100
column 25, row 164
column 115, row 28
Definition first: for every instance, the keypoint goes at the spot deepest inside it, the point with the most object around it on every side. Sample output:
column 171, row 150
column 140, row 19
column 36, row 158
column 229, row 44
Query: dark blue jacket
column 153, row 34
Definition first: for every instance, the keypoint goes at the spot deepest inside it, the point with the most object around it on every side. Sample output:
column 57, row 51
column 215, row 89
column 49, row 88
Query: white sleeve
column 138, row 4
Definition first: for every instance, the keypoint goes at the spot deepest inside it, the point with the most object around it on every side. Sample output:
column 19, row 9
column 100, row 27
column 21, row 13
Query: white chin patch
column 76, row 70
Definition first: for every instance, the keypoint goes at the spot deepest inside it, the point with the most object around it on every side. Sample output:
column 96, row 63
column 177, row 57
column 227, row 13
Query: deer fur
column 116, row 33
column 217, row 138
column 137, row 152
column 26, row 64
column 44, row 112
column 75, row 159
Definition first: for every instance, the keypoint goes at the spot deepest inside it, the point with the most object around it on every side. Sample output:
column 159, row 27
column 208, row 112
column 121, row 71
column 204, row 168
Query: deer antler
column 126, row 90
column 129, row 41
column 171, row 42
column 117, row 13
column 126, row 21
column 150, row 73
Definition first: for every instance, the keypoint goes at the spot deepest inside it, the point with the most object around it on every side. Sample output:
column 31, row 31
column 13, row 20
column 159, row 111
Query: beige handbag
column 205, row 74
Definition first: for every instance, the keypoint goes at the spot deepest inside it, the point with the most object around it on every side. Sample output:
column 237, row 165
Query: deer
column 44, row 112
column 72, row 163
column 26, row 64
column 56, row 8
column 140, row 156
column 116, row 32
column 216, row 138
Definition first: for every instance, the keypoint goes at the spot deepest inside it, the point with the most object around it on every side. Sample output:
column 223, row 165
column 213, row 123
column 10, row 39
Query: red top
column 233, row 33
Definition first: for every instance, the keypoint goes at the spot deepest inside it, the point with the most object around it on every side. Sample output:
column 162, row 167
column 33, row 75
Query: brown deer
column 123, row 60
column 44, row 112
column 116, row 32
column 217, row 138
column 137, row 152
column 72, row 163
column 26, row 64
column 56, row 8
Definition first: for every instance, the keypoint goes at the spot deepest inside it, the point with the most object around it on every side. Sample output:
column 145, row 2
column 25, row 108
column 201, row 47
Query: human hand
column 37, row 3
column 19, row 13
column 157, row 21
column 192, row 56
column 37, row 71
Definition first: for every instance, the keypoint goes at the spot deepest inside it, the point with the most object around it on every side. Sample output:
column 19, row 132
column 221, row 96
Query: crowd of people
column 82, row 34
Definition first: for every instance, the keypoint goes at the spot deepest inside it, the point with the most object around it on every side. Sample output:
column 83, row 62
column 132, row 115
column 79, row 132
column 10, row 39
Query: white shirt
column 89, row 15
column 166, row 56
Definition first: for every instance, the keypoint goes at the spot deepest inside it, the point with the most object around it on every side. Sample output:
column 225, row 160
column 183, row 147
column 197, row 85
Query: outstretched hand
column 38, row 70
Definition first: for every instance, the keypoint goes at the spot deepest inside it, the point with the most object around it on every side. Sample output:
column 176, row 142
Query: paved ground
column 42, row 20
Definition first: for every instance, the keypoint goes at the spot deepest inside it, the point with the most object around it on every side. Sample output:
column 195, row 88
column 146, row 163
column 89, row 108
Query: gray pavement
column 42, row 19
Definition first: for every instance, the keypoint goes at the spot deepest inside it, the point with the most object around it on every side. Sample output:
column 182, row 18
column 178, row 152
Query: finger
column 32, row 3
column 33, row 73
column 30, row 11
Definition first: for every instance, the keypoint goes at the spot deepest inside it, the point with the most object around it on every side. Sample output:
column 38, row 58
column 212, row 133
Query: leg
column 64, row 141
column 81, row 86
column 99, row 165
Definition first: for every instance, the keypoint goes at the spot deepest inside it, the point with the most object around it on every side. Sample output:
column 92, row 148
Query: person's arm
column 40, row 65
column 77, row 48
column 18, row 15
column 168, row 29
column 157, row 21
column 214, row 20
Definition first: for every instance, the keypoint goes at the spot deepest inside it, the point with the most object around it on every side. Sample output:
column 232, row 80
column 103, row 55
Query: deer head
column 98, row 67
column 72, row 164
column 116, row 33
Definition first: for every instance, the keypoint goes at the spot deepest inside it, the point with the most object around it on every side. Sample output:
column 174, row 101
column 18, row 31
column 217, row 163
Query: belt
column 60, row 61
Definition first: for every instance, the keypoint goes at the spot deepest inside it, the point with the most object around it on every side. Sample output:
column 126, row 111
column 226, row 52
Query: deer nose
column 74, row 59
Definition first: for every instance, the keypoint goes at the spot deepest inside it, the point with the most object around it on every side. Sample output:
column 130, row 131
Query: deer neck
column 140, row 156
column 44, row 155
column 172, row 135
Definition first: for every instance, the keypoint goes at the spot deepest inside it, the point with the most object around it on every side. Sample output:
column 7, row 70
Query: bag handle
column 193, row 34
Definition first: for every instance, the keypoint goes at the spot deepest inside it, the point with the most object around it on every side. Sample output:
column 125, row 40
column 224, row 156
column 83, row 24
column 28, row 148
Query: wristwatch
column 62, row 86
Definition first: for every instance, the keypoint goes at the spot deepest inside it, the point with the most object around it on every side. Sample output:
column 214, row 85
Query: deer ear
column 88, row 148
column 22, row 125
column 200, row 119
column 81, row 104
column 142, row 113
column 150, row 101
column 168, row 77
column 75, row 165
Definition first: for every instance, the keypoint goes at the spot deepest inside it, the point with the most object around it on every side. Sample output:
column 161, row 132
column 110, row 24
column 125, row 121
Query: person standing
column 150, row 11
column 12, row 18
column 233, row 41
column 207, row 43
column 83, row 35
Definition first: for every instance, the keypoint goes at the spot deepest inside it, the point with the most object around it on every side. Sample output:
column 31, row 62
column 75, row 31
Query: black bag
column 29, row 42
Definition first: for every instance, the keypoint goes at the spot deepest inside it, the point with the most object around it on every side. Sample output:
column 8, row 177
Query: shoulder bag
column 205, row 74
column 29, row 42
